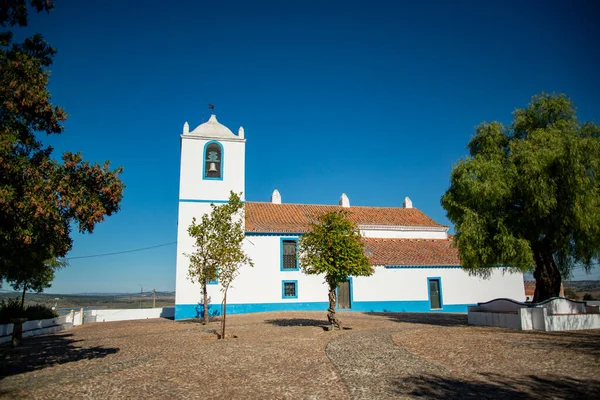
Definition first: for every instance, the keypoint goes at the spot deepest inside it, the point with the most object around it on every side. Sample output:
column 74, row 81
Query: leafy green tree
column 37, row 278
column 41, row 197
column 333, row 247
column 588, row 296
column 528, row 195
column 218, row 250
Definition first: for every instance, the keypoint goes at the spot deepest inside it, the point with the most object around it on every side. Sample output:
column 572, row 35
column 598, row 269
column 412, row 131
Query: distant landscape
column 95, row 300
column 166, row 299
column 583, row 287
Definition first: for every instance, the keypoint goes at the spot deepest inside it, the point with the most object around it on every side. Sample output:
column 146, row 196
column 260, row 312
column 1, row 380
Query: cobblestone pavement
column 373, row 367
column 290, row 356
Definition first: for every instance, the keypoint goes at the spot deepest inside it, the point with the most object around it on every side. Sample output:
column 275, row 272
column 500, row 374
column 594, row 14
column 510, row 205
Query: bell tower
column 212, row 165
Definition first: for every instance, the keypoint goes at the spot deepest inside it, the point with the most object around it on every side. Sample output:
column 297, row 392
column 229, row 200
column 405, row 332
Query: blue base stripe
column 184, row 311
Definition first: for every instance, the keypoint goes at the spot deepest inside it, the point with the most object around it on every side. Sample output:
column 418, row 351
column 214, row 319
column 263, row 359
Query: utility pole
column 141, row 292
column 154, row 299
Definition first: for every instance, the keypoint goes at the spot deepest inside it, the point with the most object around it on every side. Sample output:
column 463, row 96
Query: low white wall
column 36, row 328
column 572, row 322
column 512, row 321
column 133, row 314
column 563, row 306
column 500, row 305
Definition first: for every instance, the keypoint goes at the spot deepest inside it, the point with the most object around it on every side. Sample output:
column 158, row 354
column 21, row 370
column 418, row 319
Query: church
column 417, row 268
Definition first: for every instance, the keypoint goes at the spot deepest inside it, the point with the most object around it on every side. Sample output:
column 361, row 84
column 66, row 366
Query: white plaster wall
column 457, row 286
column 263, row 282
column 133, row 314
column 192, row 186
column 404, row 234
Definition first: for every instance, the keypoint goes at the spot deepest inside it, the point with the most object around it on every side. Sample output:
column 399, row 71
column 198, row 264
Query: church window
column 289, row 289
column 289, row 254
column 213, row 161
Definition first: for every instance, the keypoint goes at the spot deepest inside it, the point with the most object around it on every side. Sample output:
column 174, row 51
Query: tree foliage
column 41, row 197
column 333, row 247
column 218, row 249
column 528, row 195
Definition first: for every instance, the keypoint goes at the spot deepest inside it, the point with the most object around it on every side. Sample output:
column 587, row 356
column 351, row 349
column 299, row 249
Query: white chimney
column 186, row 128
column 344, row 200
column 275, row 197
column 241, row 132
column 407, row 203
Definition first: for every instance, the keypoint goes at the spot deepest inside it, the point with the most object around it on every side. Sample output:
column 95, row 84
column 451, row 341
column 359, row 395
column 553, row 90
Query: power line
column 121, row 252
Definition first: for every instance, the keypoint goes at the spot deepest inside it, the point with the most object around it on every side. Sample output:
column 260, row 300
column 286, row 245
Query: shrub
column 588, row 296
column 12, row 309
column 571, row 294
column 39, row 311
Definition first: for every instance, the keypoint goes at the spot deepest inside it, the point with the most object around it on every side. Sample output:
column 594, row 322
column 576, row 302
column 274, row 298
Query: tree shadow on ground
column 587, row 341
column 199, row 320
column 44, row 351
column 297, row 322
column 425, row 318
column 498, row 387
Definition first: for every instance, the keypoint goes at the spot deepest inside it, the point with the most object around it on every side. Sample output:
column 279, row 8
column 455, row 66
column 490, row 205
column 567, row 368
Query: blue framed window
column 289, row 254
column 289, row 289
column 434, row 292
column 212, row 167
column 216, row 280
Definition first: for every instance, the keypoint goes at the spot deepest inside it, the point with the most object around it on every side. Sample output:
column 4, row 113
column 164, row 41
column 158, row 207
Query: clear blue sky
column 374, row 99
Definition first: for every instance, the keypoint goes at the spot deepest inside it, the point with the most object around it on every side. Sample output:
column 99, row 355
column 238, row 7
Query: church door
column 343, row 295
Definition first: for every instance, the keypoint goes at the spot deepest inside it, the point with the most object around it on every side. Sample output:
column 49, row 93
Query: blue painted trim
column 296, row 234
column 420, row 266
column 435, row 278
column 288, row 239
column 202, row 201
column 283, row 296
column 204, row 177
column 184, row 311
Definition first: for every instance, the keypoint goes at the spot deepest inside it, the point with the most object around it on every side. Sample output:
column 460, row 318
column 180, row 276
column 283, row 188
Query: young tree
column 37, row 278
column 41, row 198
column 333, row 247
column 218, row 249
column 528, row 195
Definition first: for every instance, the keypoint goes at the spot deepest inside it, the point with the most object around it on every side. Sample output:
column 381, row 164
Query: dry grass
column 287, row 355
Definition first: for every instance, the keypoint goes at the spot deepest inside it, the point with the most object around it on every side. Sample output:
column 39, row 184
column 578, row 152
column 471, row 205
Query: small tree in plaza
column 219, row 254
column 334, row 247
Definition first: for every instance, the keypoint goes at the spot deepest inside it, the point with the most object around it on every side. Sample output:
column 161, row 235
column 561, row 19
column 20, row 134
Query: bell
column 212, row 167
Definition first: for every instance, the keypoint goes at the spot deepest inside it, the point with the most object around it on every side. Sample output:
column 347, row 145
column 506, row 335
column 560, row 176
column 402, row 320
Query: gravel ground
column 289, row 355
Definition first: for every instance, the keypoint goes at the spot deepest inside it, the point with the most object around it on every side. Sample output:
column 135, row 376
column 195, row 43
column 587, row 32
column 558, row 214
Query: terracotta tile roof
column 269, row 217
column 412, row 252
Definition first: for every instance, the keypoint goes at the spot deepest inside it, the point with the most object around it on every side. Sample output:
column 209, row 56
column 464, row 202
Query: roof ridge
column 330, row 205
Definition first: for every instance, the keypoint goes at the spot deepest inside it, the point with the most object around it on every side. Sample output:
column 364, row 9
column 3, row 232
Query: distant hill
column 96, row 300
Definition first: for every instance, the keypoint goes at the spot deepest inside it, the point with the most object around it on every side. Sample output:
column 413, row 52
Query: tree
column 218, row 250
column 37, row 279
column 41, row 198
column 333, row 247
column 528, row 195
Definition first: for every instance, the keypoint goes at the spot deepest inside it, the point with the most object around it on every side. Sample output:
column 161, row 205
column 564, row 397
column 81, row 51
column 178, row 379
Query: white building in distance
column 417, row 268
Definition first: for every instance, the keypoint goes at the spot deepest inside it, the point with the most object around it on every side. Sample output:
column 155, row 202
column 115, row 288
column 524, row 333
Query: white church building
column 417, row 268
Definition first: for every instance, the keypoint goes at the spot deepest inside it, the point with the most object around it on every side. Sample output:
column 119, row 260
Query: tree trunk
column 547, row 277
column 224, row 315
column 23, row 298
column 331, row 311
column 205, row 301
